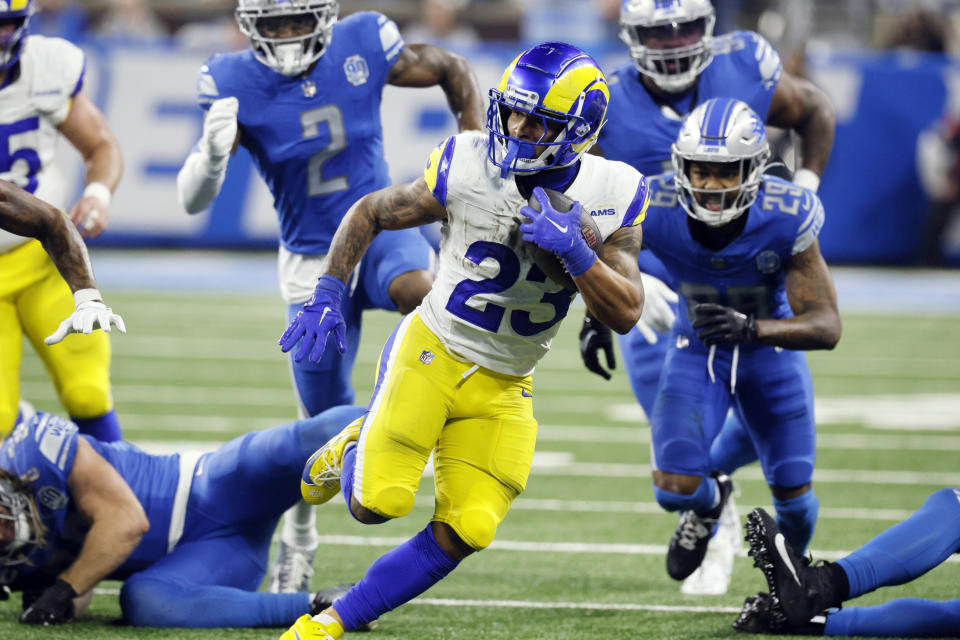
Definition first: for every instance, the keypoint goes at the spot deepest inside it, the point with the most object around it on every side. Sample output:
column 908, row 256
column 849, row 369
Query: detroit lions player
column 304, row 100
column 754, row 292
column 676, row 64
column 41, row 97
column 803, row 595
column 455, row 376
column 187, row 534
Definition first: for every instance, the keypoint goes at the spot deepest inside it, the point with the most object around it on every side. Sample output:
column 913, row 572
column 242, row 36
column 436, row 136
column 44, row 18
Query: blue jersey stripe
column 637, row 207
column 83, row 74
column 443, row 171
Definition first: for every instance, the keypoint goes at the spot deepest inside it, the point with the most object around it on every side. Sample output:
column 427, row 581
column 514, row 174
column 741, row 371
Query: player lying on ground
column 803, row 596
column 188, row 535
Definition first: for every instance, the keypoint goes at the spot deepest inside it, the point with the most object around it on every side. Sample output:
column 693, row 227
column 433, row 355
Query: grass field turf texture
column 581, row 554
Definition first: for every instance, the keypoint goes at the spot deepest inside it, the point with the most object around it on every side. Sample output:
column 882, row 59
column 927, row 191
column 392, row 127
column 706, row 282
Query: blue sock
column 732, row 448
column 700, row 501
column 909, row 549
column 797, row 518
column 347, row 468
column 394, row 578
column 106, row 428
column 903, row 618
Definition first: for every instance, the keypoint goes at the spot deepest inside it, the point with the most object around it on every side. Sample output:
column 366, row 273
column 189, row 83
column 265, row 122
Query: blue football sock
column 909, row 549
column 394, row 578
column 732, row 448
column 797, row 518
column 347, row 468
column 701, row 501
column 903, row 618
column 106, row 428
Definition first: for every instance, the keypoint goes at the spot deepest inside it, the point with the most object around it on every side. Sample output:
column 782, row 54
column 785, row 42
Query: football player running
column 41, row 80
column 803, row 596
column 304, row 100
column 188, row 534
column 455, row 376
column 677, row 63
column 754, row 293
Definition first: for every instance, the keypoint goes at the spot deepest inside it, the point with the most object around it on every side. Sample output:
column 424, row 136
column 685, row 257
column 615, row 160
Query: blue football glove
column 319, row 316
column 558, row 232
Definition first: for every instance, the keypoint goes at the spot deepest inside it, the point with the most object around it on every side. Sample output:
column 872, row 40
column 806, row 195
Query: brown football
column 549, row 262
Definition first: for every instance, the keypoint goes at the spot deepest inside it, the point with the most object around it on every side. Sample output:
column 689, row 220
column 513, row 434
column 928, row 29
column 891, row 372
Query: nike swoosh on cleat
column 562, row 229
column 780, row 542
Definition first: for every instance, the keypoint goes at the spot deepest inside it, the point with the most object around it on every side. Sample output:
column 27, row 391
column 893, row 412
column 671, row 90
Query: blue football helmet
column 561, row 85
column 290, row 56
column 18, row 514
column 671, row 41
column 17, row 13
column 721, row 130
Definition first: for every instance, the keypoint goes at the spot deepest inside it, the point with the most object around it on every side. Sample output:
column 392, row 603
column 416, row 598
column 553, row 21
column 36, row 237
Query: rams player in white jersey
column 455, row 376
column 40, row 99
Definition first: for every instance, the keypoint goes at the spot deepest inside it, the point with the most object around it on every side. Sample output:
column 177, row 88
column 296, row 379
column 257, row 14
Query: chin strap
column 513, row 150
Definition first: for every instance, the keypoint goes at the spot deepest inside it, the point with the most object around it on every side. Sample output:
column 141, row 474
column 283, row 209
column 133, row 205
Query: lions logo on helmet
column 265, row 23
column 721, row 130
column 18, row 13
column 670, row 40
column 561, row 85
column 19, row 514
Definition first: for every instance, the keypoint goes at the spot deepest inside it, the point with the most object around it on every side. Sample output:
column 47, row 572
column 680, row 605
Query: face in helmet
column 718, row 159
column 547, row 109
column 14, row 18
column 671, row 41
column 288, row 35
column 20, row 528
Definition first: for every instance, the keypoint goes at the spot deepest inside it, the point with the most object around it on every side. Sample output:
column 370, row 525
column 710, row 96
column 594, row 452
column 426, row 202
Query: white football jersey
column 490, row 304
column 31, row 108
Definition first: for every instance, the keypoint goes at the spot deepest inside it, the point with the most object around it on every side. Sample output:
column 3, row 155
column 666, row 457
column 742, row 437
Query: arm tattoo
column 621, row 250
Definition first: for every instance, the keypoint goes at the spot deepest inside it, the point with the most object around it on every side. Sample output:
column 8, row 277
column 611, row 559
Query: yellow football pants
column 478, row 423
column 34, row 299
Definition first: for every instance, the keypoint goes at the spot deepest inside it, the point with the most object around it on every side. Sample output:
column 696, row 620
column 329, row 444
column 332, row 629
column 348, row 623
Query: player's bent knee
column 392, row 502
column 792, row 474
column 476, row 528
column 408, row 289
column 152, row 603
column 86, row 400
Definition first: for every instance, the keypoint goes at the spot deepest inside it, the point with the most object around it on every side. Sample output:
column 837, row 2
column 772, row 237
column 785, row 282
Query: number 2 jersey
column 316, row 140
column 748, row 273
column 51, row 72
column 490, row 303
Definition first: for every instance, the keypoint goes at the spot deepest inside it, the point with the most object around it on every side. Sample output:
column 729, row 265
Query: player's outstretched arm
column 396, row 207
column 612, row 288
column 426, row 65
column 204, row 170
column 87, row 130
column 799, row 105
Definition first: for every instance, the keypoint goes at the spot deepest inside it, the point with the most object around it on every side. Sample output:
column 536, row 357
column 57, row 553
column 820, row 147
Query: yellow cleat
column 320, row 480
column 319, row 627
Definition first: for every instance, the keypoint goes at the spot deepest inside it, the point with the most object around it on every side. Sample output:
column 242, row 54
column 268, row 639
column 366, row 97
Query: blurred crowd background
column 891, row 67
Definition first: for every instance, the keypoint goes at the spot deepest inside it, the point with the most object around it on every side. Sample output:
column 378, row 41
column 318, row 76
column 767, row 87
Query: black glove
column 717, row 324
column 595, row 336
column 54, row 606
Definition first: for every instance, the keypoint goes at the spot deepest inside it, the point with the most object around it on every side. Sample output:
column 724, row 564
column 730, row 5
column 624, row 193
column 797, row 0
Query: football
column 549, row 262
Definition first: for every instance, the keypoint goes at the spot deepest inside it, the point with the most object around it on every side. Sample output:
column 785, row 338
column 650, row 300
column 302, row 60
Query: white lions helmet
column 723, row 131
column 290, row 56
column 671, row 41
column 19, row 514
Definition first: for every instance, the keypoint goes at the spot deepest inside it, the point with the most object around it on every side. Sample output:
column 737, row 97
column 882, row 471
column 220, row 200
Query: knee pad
column 392, row 502
column 700, row 501
column 476, row 527
column 84, row 399
column 150, row 603
column 797, row 518
column 791, row 473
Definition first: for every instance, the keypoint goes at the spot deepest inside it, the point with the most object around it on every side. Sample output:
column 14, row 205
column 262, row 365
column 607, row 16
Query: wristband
column 81, row 296
column 806, row 178
column 99, row 191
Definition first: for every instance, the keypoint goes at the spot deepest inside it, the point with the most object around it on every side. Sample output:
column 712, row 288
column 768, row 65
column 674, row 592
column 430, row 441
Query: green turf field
column 581, row 554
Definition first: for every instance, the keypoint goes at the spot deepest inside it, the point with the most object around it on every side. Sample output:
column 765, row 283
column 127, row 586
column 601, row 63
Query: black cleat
column 325, row 598
column 689, row 543
column 757, row 617
column 798, row 590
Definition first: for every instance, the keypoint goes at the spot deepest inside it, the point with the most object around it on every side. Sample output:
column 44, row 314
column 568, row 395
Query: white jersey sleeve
column 57, row 69
column 490, row 304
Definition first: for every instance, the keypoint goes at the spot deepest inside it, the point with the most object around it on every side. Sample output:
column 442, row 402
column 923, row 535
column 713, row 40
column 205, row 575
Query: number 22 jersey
column 490, row 303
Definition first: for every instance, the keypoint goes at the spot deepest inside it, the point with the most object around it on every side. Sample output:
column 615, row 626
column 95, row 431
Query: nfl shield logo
column 356, row 69
column 768, row 262
column 426, row 357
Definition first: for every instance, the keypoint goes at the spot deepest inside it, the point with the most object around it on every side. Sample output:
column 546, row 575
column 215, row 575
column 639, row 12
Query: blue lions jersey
column 41, row 452
column 748, row 273
column 317, row 141
column 640, row 129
